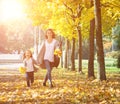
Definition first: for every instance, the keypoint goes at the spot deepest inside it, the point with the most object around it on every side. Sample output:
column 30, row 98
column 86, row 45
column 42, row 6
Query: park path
column 9, row 64
column 8, row 71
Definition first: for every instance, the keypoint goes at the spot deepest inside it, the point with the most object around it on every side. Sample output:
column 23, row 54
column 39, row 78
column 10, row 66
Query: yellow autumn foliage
column 58, row 52
column 22, row 70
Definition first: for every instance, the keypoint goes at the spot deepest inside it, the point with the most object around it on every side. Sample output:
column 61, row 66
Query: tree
column 91, row 48
column 74, row 14
column 66, row 62
column 68, row 20
column 99, row 44
column 73, row 55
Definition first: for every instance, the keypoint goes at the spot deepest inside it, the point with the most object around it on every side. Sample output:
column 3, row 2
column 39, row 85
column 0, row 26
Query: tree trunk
column 91, row 48
column 79, row 50
column 35, row 42
column 66, row 54
column 73, row 55
column 99, row 42
column 61, row 50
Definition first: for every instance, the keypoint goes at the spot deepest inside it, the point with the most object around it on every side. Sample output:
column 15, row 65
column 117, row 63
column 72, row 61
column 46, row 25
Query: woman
column 47, row 54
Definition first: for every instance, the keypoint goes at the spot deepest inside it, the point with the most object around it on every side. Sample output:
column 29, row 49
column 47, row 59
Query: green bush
column 118, row 61
column 113, row 54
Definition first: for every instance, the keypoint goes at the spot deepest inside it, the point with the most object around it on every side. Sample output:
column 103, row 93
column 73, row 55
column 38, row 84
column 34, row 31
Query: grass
column 110, row 65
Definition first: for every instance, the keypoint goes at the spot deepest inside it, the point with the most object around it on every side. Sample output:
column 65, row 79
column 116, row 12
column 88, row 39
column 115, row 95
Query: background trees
column 73, row 21
column 16, row 35
column 3, row 41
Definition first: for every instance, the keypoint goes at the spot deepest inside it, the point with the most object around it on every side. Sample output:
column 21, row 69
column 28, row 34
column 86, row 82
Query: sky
column 10, row 9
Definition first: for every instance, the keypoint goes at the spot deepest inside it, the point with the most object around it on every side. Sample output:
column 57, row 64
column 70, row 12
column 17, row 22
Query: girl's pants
column 29, row 78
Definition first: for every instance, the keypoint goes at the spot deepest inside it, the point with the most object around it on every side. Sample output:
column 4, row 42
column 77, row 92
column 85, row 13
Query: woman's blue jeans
column 48, row 76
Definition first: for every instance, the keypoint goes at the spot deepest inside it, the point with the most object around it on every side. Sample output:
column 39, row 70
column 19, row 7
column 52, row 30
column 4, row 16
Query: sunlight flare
column 11, row 9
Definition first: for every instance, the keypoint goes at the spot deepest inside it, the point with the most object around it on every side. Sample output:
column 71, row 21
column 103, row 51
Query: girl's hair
column 25, row 53
column 53, row 34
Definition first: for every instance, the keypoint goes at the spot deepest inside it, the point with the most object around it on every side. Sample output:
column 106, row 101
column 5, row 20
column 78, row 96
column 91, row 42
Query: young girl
column 29, row 65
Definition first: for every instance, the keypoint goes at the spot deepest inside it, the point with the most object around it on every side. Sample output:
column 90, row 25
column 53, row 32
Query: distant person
column 46, row 55
column 29, row 65
column 16, row 52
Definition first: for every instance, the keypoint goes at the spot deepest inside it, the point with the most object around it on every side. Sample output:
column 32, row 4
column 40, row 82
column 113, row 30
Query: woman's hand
column 58, row 52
